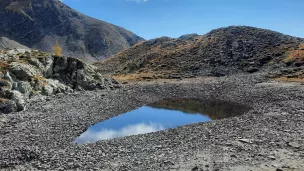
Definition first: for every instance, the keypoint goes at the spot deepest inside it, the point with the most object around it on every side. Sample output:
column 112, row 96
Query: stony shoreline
column 268, row 137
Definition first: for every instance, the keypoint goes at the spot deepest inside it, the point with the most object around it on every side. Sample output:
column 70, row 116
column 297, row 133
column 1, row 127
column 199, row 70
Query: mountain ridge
column 223, row 51
column 39, row 24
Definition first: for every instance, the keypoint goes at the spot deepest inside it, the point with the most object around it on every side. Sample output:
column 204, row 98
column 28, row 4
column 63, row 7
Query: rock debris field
column 268, row 137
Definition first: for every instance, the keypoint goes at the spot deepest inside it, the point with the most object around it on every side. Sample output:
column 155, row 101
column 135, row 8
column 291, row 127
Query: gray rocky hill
column 224, row 51
column 6, row 43
column 38, row 24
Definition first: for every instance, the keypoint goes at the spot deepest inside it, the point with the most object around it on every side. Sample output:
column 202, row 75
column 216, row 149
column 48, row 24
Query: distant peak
column 40, row 23
column 188, row 36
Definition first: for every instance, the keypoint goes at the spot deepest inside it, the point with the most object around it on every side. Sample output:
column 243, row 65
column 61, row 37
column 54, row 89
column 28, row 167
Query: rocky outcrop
column 39, row 24
column 28, row 74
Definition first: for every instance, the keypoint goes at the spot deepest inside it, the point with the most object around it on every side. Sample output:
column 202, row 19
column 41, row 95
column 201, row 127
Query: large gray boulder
column 55, row 87
column 8, row 106
column 23, row 71
column 24, row 87
column 76, row 73
column 19, row 100
column 14, row 101
column 6, row 84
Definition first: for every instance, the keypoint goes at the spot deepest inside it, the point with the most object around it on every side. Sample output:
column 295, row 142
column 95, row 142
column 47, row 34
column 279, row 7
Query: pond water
column 167, row 113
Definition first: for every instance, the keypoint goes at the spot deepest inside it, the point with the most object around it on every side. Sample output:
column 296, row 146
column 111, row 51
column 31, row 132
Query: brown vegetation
column 296, row 55
column 135, row 77
column 292, row 76
column 286, row 79
column 3, row 100
column 57, row 50
column 3, row 66
column 41, row 79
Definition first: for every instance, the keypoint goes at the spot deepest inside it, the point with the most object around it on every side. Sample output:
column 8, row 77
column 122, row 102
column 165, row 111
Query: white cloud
column 141, row 128
column 138, row 1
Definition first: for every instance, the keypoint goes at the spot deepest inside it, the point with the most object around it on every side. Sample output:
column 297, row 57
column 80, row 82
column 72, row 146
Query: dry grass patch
column 296, row 55
column 286, row 79
column 20, row 60
column 135, row 77
column 57, row 50
column 295, row 77
column 41, row 79
column 3, row 65
column 3, row 100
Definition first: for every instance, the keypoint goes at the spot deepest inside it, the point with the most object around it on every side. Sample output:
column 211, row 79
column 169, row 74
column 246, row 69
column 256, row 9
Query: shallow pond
column 167, row 113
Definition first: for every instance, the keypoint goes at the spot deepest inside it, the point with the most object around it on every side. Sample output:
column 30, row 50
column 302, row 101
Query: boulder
column 17, row 51
column 15, row 86
column 48, row 66
column 8, row 106
column 13, row 101
column 23, row 71
column 55, row 87
column 24, row 87
column 19, row 100
column 35, row 62
column 61, row 63
column 48, row 90
column 7, row 77
column 5, row 84
column 75, row 73
column 3, row 57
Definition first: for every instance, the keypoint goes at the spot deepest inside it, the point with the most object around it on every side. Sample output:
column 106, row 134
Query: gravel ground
column 268, row 137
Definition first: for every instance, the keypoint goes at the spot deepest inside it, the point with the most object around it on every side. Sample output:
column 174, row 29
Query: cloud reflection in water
column 140, row 128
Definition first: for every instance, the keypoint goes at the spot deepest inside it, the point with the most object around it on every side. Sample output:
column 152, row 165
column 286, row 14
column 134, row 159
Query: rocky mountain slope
column 31, row 74
column 6, row 43
column 38, row 24
column 224, row 51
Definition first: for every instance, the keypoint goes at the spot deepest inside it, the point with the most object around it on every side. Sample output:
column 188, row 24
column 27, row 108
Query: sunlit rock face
column 27, row 74
column 161, row 115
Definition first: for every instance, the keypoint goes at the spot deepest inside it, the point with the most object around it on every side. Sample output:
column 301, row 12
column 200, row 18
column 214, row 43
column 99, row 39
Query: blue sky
column 156, row 18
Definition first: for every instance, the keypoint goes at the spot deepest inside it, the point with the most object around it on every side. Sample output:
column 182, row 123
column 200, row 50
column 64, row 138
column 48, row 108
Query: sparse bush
column 3, row 100
column 41, row 79
column 57, row 50
column 3, row 66
column 296, row 55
